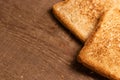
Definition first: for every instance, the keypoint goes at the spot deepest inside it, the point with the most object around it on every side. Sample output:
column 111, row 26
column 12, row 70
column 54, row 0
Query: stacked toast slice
column 101, row 52
column 98, row 23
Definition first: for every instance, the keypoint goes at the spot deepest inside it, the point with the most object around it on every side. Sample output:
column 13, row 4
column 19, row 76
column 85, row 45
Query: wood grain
column 35, row 46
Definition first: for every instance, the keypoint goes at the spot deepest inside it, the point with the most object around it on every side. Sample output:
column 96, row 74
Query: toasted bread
column 101, row 51
column 81, row 16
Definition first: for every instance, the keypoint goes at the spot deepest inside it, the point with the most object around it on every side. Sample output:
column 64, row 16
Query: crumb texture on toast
column 102, row 50
column 81, row 16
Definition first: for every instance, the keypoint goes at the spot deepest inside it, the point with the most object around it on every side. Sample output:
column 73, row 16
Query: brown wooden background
column 35, row 46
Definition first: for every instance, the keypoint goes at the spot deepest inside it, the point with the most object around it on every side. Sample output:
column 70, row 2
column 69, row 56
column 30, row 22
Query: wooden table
column 35, row 46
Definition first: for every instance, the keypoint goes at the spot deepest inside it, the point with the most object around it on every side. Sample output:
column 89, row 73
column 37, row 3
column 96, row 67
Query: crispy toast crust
column 62, row 18
column 101, row 51
column 81, row 16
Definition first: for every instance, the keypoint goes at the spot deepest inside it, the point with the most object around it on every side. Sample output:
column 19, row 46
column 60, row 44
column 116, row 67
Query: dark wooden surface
column 35, row 46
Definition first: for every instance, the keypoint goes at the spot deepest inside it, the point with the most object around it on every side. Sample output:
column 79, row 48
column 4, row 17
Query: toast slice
column 101, row 51
column 81, row 16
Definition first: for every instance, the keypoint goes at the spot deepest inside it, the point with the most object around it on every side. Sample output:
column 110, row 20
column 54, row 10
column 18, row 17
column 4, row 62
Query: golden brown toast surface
column 81, row 16
column 101, row 52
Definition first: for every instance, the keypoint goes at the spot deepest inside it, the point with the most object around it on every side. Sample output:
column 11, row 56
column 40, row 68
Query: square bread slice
column 101, row 51
column 81, row 16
